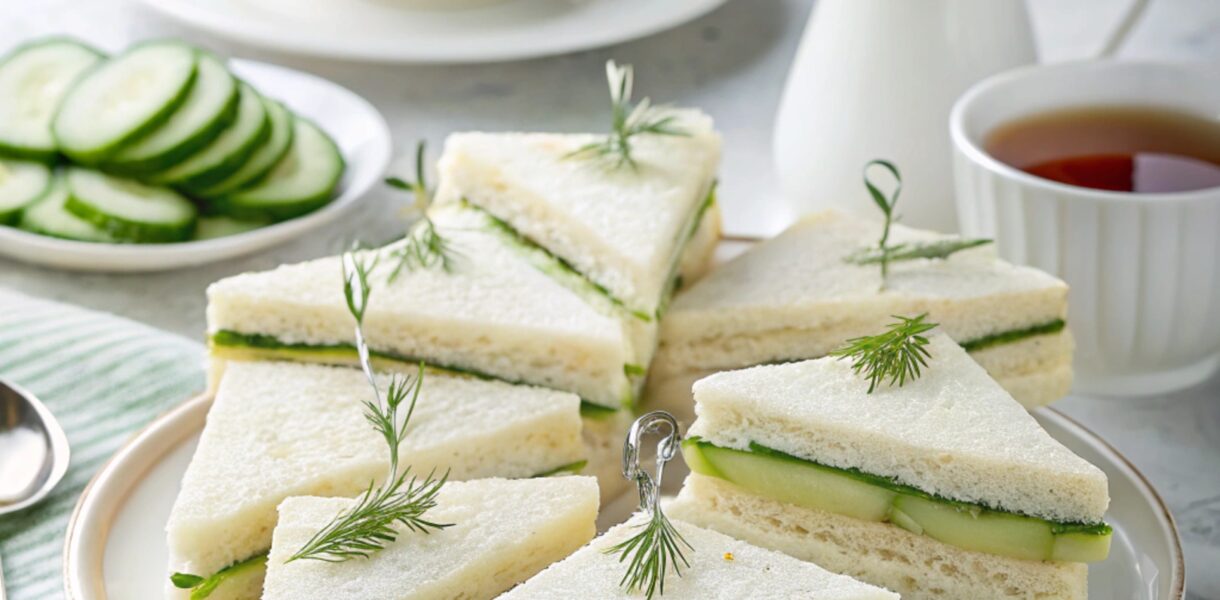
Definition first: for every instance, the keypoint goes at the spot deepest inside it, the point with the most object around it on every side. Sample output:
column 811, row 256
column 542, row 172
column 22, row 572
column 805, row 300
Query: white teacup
column 1144, row 269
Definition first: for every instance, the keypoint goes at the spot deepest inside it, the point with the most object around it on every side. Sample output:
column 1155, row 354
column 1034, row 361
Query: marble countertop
column 732, row 63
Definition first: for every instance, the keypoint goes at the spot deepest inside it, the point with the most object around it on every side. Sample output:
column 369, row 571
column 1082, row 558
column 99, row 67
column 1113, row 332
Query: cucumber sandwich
column 278, row 430
column 800, row 295
column 624, row 212
column 502, row 533
column 944, row 487
column 495, row 314
column 720, row 568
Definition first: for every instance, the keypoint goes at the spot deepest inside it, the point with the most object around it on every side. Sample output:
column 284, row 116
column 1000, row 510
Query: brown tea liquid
column 1119, row 148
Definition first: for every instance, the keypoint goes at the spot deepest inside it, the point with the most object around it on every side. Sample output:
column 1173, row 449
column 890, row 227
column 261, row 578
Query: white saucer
column 115, row 544
column 415, row 31
column 359, row 130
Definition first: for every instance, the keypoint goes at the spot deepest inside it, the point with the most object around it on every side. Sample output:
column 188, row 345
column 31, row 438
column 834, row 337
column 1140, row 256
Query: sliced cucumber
column 207, row 110
column 129, row 210
column 263, row 159
column 214, row 227
column 21, row 184
column 47, row 216
column 33, row 81
column 228, row 152
column 862, row 496
column 302, row 181
column 122, row 99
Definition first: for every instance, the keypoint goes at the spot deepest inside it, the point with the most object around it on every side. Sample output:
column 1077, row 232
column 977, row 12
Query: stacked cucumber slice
column 136, row 147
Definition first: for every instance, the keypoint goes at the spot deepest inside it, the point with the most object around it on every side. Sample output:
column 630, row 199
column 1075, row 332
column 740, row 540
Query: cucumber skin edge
column 257, row 177
column 153, row 164
column 94, row 156
column 125, row 230
column 229, row 164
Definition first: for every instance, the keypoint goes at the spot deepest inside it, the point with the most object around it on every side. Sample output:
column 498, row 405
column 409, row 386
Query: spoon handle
column 3, row 595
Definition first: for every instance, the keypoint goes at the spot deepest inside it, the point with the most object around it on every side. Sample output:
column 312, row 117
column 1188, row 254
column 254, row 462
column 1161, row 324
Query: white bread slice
column 794, row 297
column 721, row 568
column 623, row 228
column 493, row 313
column 953, row 431
column 281, row 429
column 503, row 533
column 916, row 566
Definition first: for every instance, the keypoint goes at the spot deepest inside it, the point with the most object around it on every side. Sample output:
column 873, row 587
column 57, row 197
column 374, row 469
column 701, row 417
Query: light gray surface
column 732, row 63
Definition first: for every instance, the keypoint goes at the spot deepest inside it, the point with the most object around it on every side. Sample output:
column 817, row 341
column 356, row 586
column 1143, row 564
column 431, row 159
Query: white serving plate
column 115, row 544
column 359, row 130
column 421, row 31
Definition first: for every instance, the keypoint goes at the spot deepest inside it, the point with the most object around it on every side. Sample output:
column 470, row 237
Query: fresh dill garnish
column 402, row 499
column 627, row 121
column 423, row 247
column 884, row 253
column 897, row 355
column 650, row 553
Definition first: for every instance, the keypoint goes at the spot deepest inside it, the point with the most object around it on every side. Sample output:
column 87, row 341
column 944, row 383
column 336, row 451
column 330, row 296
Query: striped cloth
column 103, row 377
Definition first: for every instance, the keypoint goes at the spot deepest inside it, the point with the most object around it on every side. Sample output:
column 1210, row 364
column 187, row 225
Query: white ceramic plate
column 115, row 545
column 420, row 31
column 359, row 130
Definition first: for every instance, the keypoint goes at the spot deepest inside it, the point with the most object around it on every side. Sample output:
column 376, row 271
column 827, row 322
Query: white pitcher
column 876, row 79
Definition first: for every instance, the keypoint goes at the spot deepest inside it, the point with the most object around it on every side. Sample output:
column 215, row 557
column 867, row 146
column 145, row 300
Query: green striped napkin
column 104, row 377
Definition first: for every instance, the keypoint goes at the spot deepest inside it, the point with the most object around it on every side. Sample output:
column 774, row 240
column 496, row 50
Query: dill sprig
column 897, row 355
column 650, row 553
column 424, row 247
column 403, row 499
column 627, row 121
column 884, row 253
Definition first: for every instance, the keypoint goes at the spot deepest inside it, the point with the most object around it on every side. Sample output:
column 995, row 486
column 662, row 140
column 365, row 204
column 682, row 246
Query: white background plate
column 115, row 546
column 357, row 127
column 420, row 31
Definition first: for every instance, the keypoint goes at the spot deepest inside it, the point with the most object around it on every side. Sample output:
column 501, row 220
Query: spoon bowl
column 33, row 449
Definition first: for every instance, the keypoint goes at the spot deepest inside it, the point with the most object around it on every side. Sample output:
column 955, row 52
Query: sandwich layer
column 502, row 533
column 952, row 433
column 493, row 314
column 280, row 429
column 721, row 568
column 915, row 566
column 623, row 227
column 797, row 297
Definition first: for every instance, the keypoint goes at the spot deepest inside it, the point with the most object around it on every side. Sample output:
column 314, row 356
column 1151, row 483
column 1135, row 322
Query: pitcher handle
column 1118, row 36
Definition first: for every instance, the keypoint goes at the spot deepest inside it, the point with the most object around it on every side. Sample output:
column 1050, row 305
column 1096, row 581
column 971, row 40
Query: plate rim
column 201, row 18
column 71, row 539
column 194, row 253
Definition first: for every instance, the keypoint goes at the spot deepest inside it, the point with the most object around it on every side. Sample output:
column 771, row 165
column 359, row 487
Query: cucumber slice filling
column 251, row 346
column 263, row 159
column 21, row 184
column 868, row 497
column 226, row 153
column 302, row 181
column 33, row 81
column 47, row 216
column 129, row 210
column 123, row 98
column 208, row 109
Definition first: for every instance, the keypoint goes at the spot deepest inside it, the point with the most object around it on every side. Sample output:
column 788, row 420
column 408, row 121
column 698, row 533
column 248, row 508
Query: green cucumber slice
column 208, row 228
column 21, row 184
column 122, row 99
column 862, row 496
column 263, row 159
column 47, row 216
column 228, row 152
column 301, row 182
column 207, row 110
column 33, row 80
column 129, row 210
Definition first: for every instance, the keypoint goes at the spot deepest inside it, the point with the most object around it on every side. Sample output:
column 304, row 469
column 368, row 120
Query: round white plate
column 115, row 545
column 359, row 130
column 422, row 31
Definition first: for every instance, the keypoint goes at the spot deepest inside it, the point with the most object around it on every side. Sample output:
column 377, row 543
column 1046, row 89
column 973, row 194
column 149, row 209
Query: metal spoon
column 33, row 449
